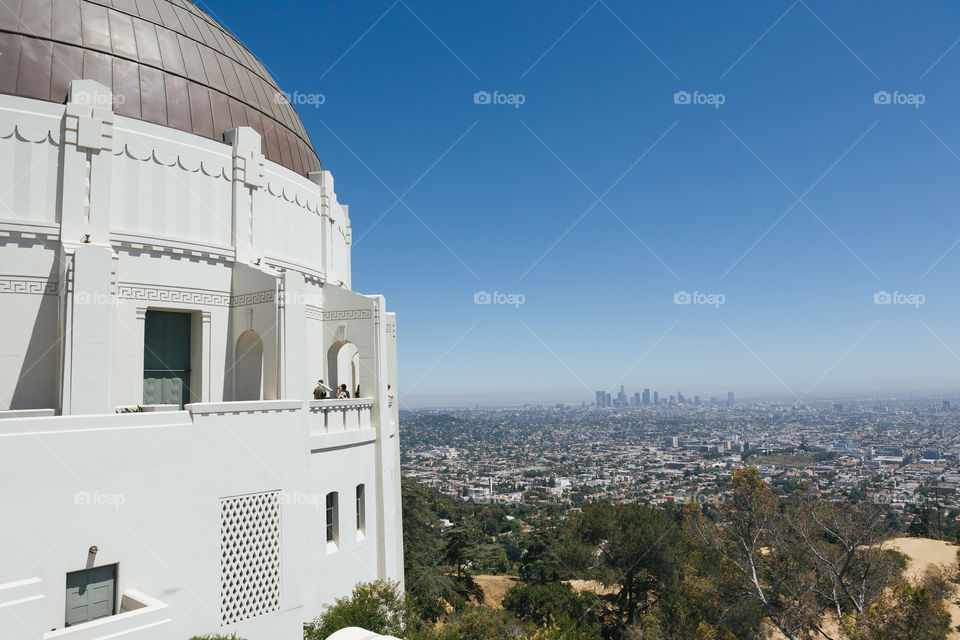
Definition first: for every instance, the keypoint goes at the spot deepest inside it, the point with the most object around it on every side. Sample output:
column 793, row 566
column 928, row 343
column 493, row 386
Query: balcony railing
column 337, row 416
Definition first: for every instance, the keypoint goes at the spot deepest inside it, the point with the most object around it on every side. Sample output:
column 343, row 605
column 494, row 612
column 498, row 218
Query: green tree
column 539, row 561
column 635, row 549
column 555, row 603
column 375, row 606
column 913, row 611
column 844, row 544
column 429, row 587
column 757, row 554
column 481, row 623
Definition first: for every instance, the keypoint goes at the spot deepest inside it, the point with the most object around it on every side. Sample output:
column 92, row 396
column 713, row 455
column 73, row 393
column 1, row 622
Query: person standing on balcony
column 320, row 392
column 342, row 391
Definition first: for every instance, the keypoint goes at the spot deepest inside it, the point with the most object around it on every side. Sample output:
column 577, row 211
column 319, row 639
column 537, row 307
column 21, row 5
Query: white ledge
column 13, row 427
column 28, row 413
column 138, row 623
column 341, row 403
column 249, row 406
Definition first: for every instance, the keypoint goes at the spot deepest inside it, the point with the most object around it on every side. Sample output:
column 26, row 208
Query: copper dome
column 167, row 62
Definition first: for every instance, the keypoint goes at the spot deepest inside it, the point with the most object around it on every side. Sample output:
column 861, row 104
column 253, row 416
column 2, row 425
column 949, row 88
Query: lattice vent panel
column 250, row 556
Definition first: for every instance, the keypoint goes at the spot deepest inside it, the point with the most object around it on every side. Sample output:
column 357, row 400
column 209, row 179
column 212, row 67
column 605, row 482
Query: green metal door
column 91, row 594
column 166, row 358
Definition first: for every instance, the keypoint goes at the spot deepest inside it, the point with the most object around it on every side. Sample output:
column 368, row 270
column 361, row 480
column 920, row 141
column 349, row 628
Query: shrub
column 375, row 606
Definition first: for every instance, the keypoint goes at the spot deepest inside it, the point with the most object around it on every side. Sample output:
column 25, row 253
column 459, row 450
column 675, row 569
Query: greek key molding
column 257, row 297
column 314, row 313
column 28, row 285
column 350, row 314
column 179, row 296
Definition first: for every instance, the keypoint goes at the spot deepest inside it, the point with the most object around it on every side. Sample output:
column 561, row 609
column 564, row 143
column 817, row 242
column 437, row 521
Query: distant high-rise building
column 636, row 399
column 656, row 398
column 713, row 399
column 679, row 397
column 622, row 397
column 608, row 400
column 646, row 397
column 673, row 399
column 696, row 401
column 946, row 405
column 729, row 398
column 600, row 399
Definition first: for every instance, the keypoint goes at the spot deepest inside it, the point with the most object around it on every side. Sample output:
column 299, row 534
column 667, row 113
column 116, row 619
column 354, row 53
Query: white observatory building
column 174, row 279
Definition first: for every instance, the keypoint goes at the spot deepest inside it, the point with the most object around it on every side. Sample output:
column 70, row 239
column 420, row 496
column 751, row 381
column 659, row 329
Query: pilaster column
column 86, row 258
column 87, row 338
column 206, row 347
column 139, row 338
column 248, row 178
column 294, row 383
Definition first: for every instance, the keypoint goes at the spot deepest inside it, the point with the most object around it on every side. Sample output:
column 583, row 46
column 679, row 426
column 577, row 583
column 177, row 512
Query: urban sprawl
column 655, row 450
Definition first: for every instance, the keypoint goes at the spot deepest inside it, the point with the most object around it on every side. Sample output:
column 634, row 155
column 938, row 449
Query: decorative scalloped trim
column 187, row 164
column 211, row 168
column 136, row 152
column 164, row 158
column 28, row 133
column 293, row 195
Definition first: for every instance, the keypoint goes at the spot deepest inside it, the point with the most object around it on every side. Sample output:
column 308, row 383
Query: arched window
column 248, row 370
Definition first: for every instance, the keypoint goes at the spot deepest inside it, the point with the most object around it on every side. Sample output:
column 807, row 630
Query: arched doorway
column 343, row 366
column 248, row 370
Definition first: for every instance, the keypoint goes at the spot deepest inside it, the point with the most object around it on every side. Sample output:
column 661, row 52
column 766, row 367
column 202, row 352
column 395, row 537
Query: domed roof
column 166, row 61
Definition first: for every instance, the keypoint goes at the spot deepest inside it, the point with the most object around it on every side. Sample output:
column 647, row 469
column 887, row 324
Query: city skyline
column 710, row 223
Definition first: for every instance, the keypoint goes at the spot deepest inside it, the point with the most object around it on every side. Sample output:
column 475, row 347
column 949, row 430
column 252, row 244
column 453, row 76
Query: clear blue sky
column 797, row 199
